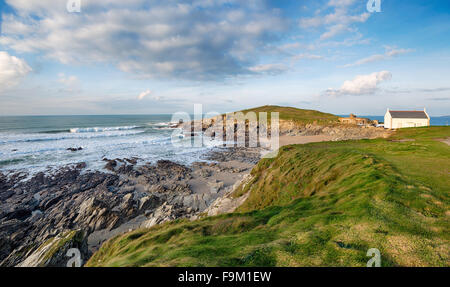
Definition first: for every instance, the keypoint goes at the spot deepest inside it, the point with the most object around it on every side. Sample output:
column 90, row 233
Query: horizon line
column 160, row 114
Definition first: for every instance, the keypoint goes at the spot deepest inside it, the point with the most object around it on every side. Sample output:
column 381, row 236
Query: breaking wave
column 102, row 129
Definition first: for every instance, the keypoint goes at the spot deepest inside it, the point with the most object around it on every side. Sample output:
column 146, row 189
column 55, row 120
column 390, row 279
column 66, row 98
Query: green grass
column 321, row 204
column 299, row 116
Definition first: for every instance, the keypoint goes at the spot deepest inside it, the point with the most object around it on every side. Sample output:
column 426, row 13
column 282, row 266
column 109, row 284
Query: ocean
column 40, row 143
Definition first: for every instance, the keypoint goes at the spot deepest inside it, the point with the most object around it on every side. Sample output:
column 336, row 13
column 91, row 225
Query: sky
column 58, row 57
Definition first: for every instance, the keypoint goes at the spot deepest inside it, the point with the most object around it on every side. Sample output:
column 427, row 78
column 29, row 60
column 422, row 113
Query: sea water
column 39, row 143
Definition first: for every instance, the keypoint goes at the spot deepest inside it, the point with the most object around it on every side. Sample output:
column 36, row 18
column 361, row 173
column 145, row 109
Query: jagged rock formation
column 40, row 210
column 54, row 252
column 228, row 203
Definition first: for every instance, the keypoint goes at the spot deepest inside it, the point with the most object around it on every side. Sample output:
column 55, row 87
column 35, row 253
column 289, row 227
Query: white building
column 406, row 119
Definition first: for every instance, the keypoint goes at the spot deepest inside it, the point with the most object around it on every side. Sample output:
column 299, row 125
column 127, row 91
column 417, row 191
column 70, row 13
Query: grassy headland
column 320, row 204
column 299, row 116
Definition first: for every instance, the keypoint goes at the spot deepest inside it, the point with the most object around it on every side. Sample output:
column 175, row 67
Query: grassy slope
column 297, row 115
column 322, row 204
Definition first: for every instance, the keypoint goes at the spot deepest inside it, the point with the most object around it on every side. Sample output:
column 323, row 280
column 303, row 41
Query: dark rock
column 80, row 165
column 111, row 165
column 132, row 160
column 20, row 214
column 74, row 148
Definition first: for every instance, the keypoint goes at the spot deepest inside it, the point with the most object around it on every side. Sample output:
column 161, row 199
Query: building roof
column 408, row 114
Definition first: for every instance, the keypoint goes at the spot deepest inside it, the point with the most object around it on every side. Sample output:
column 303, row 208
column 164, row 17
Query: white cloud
column 271, row 69
column 340, row 3
column 307, row 56
column 337, row 22
column 144, row 94
column 389, row 53
column 70, row 83
column 289, row 46
column 334, row 30
column 12, row 69
column 67, row 80
column 361, row 84
column 311, row 22
column 166, row 39
column 159, row 98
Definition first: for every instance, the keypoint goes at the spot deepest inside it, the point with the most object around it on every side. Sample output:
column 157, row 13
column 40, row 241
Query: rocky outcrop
column 334, row 130
column 54, row 252
column 35, row 210
column 238, row 154
column 36, row 213
column 166, row 212
column 74, row 148
column 228, row 203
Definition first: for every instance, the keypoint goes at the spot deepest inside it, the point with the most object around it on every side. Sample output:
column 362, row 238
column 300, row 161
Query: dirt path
column 447, row 141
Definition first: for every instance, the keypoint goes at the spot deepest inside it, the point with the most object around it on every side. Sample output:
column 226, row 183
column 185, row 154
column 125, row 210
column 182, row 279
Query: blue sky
column 137, row 56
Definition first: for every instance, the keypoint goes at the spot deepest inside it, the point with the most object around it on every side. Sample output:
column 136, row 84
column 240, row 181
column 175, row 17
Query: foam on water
column 100, row 129
column 36, row 151
column 18, row 138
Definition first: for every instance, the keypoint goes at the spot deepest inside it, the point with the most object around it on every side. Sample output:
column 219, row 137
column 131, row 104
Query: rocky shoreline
column 93, row 206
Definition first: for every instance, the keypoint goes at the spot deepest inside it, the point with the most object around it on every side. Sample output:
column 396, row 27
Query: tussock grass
column 321, row 204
